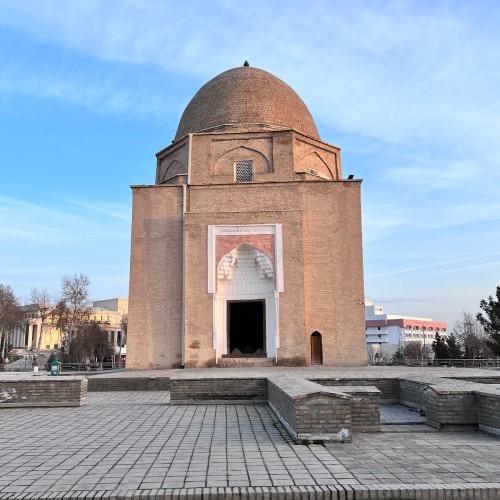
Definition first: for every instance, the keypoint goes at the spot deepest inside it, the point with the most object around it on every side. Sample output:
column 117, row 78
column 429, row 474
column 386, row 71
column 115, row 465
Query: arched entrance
column 246, row 305
column 316, row 349
column 246, row 327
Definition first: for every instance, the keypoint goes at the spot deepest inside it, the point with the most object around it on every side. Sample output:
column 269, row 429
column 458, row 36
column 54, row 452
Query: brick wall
column 43, row 391
column 333, row 270
column 365, row 407
column 316, row 155
column 96, row 384
column 412, row 392
column 212, row 389
column 310, row 411
column 172, row 161
column 454, row 402
column 445, row 408
column 155, row 295
column 488, row 410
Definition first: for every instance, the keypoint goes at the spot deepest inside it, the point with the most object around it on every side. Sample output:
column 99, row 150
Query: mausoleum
column 247, row 249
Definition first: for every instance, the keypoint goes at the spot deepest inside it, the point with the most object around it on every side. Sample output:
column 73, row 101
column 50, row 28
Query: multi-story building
column 110, row 314
column 386, row 333
column 26, row 334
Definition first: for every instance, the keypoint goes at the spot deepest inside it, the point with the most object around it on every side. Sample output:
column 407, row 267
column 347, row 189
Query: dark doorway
column 246, row 328
column 316, row 349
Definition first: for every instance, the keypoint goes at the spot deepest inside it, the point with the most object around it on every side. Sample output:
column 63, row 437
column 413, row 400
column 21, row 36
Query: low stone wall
column 388, row 387
column 488, row 410
column 365, row 407
column 446, row 406
column 412, row 392
column 310, row 411
column 192, row 390
column 110, row 383
column 43, row 390
column 453, row 403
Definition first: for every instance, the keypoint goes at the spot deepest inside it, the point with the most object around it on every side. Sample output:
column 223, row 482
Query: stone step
column 243, row 362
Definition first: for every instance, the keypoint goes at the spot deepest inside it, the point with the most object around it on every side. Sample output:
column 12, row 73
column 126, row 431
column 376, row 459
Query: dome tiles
column 246, row 95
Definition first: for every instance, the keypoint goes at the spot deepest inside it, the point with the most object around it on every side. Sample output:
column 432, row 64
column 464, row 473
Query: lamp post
column 122, row 334
column 424, row 352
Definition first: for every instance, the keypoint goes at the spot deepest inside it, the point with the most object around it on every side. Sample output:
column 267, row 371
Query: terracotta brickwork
column 315, row 156
column 172, row 162
column 333, row 270
column 278, row 156
column 155, row 295
column 225, row 100
column 263, row 242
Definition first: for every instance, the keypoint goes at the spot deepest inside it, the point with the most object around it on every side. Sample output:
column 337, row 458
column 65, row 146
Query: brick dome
column 246, row 95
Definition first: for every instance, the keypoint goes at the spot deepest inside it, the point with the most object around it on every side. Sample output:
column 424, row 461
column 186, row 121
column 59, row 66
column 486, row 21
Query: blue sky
column 409, row 90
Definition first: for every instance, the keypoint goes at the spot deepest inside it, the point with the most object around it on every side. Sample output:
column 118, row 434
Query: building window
column 243, row 171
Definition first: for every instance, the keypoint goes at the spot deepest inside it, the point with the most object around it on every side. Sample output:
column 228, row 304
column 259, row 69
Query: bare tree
column 471, row 336
column 417, row 350
column 90, row 343
column 74, row 307
column 412, row 352
column 41, row 302
column 10, row 316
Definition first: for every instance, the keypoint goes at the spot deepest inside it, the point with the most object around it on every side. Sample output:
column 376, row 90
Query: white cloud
column 109, row 210
column 394, row 218
column 22, row 221
column 395, row 72
column 97, row 92
column 435, row 177
column 441, row 264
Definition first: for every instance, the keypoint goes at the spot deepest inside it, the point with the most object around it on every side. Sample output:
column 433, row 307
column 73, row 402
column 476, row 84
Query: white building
column 386, row 333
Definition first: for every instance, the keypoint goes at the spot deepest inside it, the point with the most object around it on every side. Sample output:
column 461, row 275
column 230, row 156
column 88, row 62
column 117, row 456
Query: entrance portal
column 246, row 320
column 245, row 306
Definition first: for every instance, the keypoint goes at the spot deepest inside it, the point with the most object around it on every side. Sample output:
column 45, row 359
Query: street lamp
column 122, row 331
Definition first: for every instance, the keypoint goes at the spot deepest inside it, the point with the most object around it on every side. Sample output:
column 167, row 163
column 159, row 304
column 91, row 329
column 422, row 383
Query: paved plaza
column 136, row 445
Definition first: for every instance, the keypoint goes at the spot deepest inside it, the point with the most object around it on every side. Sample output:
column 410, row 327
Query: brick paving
column 128, row 444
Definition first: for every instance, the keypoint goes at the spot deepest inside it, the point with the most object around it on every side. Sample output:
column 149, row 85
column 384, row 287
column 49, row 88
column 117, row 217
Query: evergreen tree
column 454, row 347
column 491, row 321
column 398, row 358
column 440, row 347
